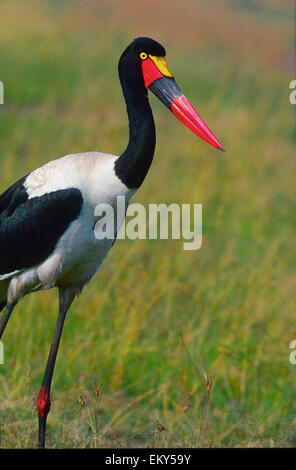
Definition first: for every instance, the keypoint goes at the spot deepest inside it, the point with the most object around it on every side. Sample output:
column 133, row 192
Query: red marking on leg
column 43, row 402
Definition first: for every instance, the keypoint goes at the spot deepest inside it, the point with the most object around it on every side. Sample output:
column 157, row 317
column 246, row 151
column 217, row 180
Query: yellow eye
column 143, row 55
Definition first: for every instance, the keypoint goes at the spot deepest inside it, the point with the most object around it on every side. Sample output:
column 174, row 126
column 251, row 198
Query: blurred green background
column 143, row 342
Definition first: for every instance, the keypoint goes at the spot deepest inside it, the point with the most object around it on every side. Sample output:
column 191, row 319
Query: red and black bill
column 166, row 89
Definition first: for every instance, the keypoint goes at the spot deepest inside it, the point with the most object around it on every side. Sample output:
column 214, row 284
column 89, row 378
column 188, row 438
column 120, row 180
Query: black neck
column 133, row 165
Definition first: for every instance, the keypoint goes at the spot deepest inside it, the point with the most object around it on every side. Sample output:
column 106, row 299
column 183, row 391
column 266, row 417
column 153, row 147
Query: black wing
column 13, row 197
column 31, row 228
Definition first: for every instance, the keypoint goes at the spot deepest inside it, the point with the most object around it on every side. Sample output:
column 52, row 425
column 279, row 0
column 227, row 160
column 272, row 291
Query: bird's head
column 143, row 66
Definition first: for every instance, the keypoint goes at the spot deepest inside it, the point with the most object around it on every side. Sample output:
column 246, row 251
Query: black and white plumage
column 47, row 224
column 47, row 218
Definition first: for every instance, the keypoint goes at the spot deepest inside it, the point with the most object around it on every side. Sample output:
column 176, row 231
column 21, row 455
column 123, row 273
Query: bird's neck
column 133, row 165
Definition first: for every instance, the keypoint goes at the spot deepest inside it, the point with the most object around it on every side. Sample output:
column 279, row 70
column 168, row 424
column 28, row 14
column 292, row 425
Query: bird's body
column 48, row 218
column 77, row 253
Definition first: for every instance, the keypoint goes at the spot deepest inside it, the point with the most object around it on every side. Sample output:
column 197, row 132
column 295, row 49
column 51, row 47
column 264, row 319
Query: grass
column 165, row 347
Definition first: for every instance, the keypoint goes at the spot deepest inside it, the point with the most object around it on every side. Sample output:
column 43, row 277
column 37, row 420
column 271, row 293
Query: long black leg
column 5, row 317
column 66, row 297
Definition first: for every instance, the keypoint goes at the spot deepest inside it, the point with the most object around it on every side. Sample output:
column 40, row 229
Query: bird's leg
column 66, row 297
column 5, row 317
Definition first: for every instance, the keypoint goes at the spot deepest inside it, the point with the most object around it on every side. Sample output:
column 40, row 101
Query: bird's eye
column 143, row 55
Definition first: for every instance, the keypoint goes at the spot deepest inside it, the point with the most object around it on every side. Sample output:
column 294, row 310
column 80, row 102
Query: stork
column 47, row 218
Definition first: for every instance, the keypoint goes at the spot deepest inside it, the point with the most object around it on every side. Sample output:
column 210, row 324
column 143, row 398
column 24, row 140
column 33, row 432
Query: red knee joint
column 43, row 402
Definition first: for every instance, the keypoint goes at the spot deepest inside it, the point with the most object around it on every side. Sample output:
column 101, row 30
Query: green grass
column 156, row 317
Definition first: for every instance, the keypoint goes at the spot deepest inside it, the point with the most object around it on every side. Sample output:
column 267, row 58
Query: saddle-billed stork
column 47, row 218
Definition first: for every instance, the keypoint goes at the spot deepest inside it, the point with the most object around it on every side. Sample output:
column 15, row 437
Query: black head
column 147, row 45
column 142, row 66
column 130, row 62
